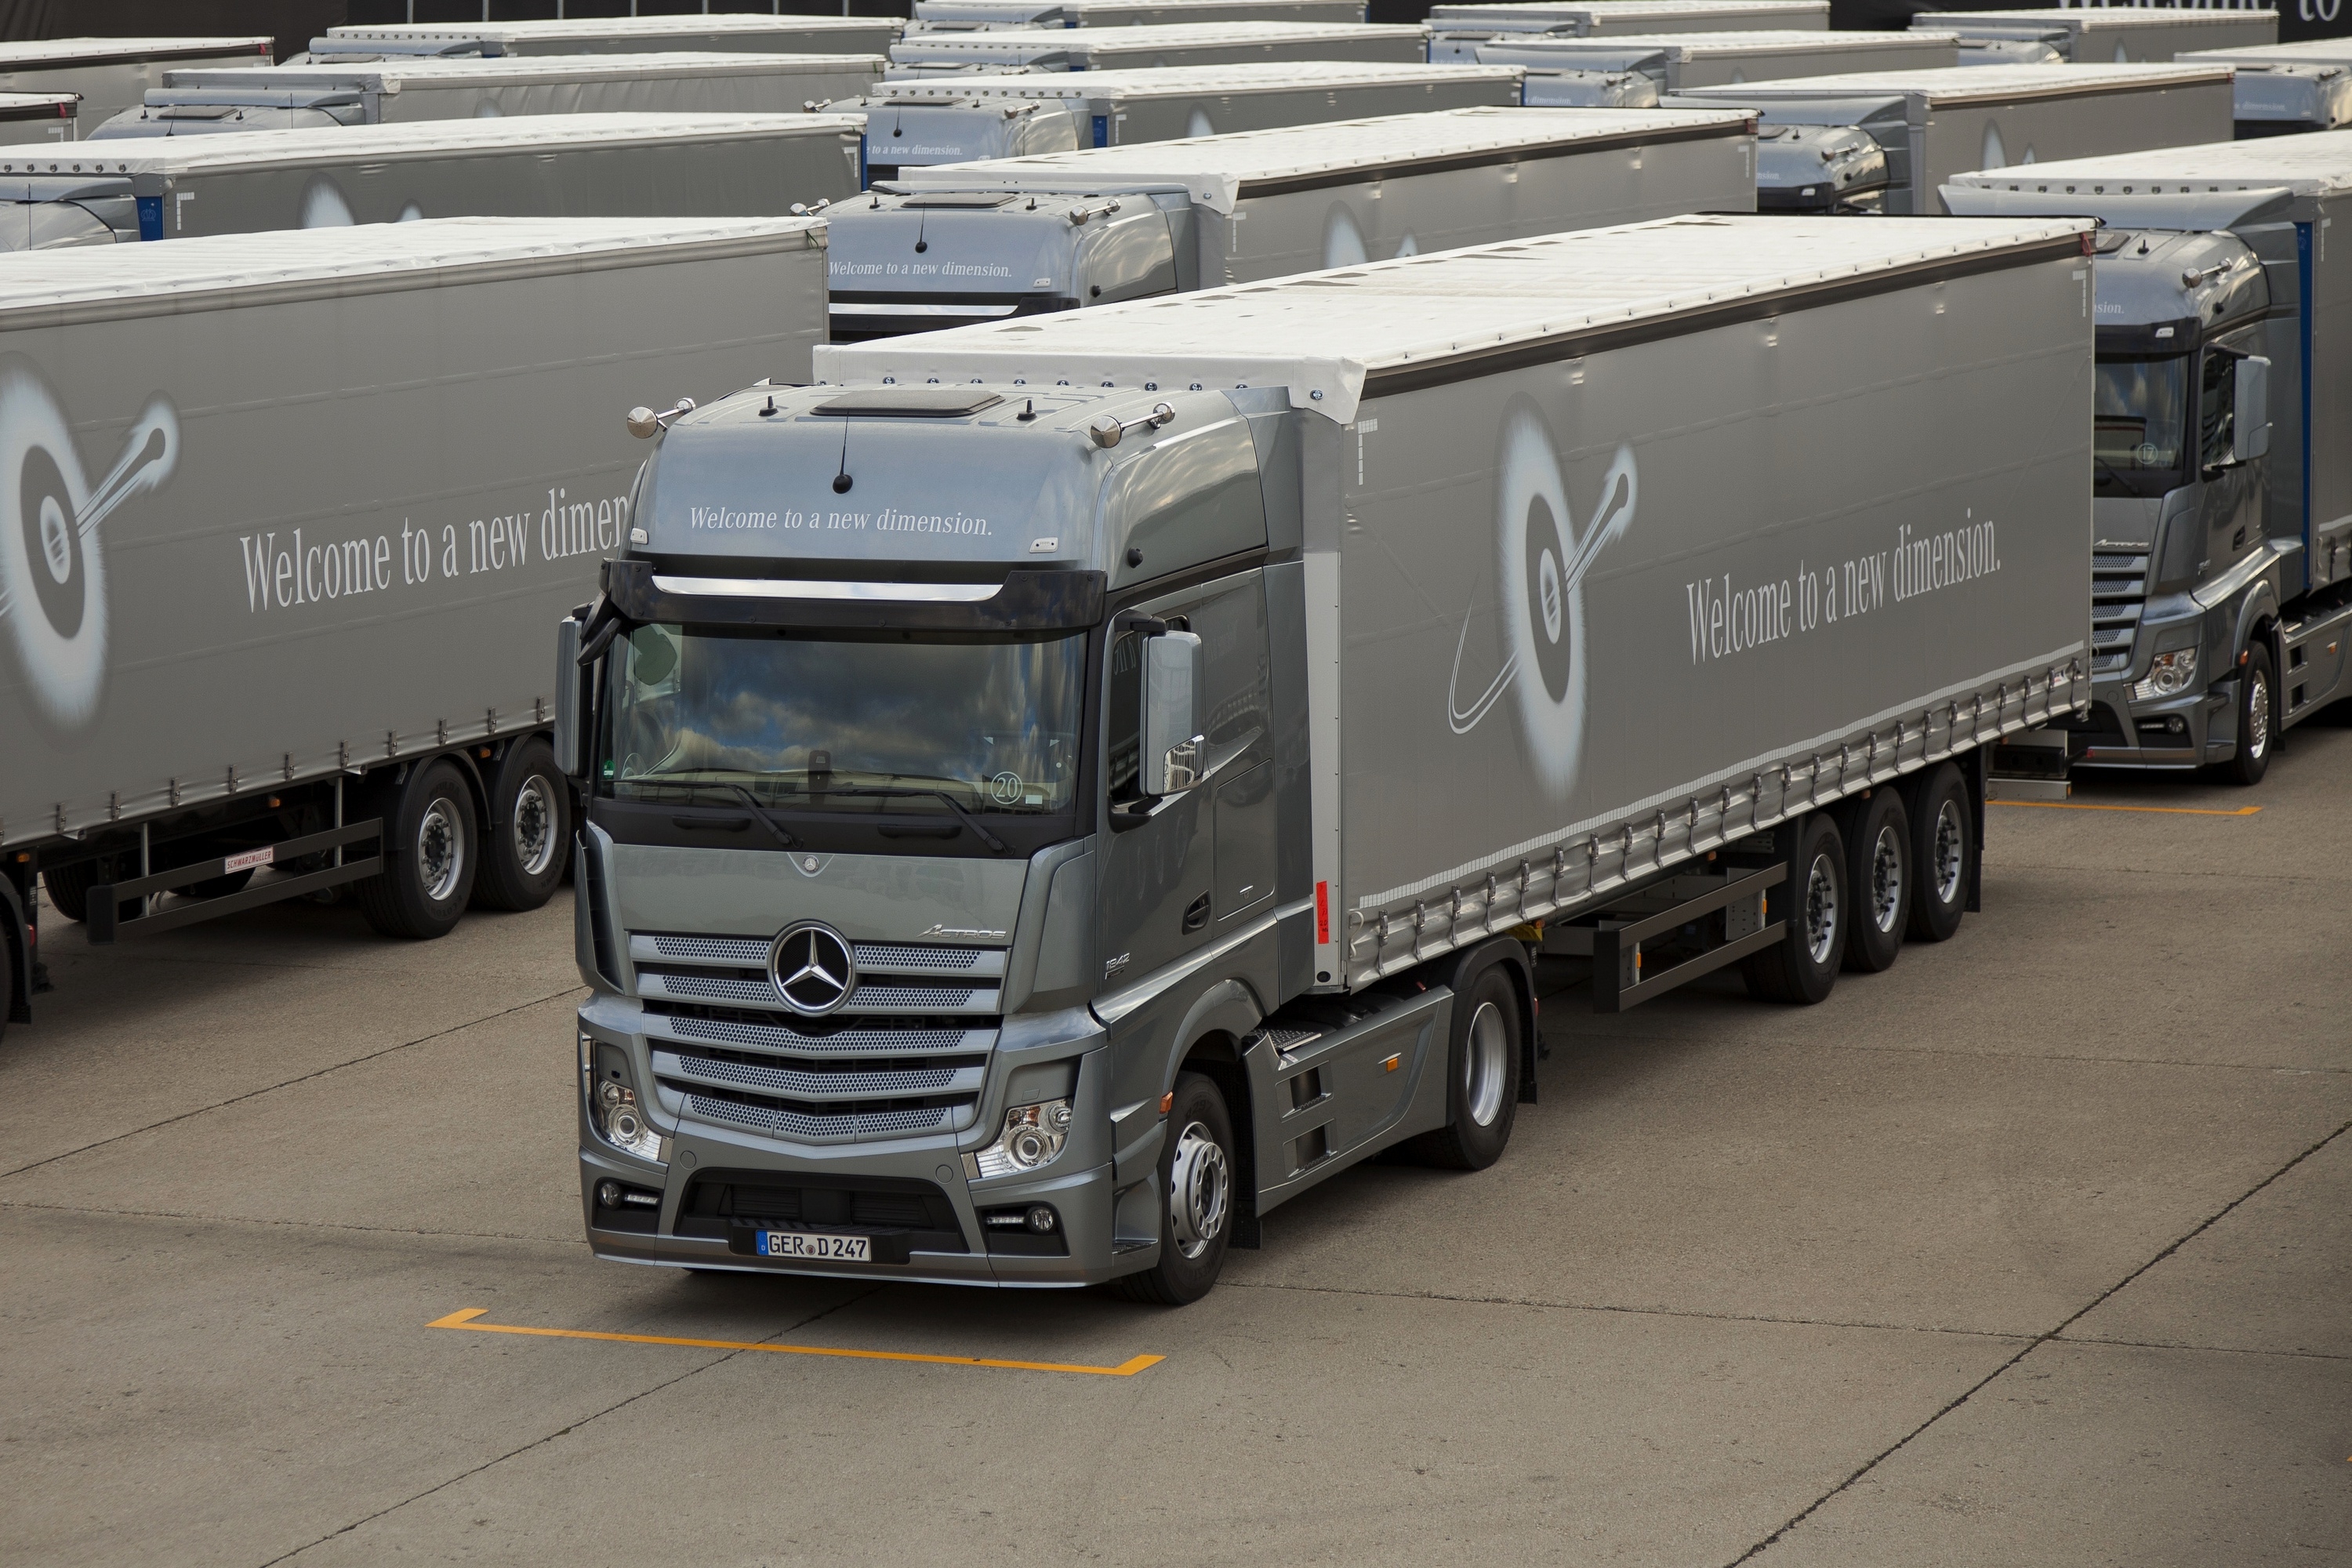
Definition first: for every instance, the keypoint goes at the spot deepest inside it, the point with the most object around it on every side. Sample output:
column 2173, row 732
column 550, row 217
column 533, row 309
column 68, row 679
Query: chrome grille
column 2118, row 589
column 907, row 1055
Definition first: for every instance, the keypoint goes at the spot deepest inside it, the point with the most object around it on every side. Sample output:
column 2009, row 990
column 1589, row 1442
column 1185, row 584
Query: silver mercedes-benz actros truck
column 2285, row 89
column 2221, row 499
column 946, row 246
column 1059, row 790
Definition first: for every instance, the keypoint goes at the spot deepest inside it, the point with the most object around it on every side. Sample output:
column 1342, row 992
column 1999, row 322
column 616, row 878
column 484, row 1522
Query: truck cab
column 2184, row 572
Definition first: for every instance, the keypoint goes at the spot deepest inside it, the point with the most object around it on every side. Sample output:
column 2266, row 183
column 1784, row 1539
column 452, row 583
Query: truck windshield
column 843, row 724
column 2138, row 422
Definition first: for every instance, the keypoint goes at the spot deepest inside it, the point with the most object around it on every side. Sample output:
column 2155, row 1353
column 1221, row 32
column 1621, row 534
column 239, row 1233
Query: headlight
column 614, row 1111
column 1033, row 1136
column 2168, row 675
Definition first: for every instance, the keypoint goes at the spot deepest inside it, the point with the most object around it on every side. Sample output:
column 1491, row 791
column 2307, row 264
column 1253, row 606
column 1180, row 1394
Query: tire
column 1200, row 1140
column 1878, row 833
column 526, row 843
column 2257, row 718
column 1943, row 854
column 1802, row 966
column 7, row 973
column 69, row 889
column 431, row 850
column 1482, row 1077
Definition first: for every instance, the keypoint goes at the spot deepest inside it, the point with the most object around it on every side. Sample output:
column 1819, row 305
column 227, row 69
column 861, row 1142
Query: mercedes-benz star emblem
column 813, row 968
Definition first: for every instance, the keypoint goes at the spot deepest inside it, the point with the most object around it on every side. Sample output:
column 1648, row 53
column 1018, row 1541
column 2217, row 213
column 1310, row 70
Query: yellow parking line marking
column 465, row 1319
column 2161, row 810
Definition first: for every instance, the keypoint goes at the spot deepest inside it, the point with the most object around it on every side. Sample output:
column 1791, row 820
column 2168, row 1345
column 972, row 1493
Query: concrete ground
column 2032, row 1250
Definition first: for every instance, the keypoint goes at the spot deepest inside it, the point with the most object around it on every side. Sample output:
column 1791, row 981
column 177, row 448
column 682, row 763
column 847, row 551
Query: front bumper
column 2184, row 732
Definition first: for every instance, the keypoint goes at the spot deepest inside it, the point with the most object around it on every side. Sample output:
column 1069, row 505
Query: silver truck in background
column 1593, row 71
column 314, row 97
column 542, row 165
column 969, row 16
column 115, row 74
column 989, row 50
column 969, row 119
column 975, row 242
column 1874, row 141
column 2221, row 508
column 2114, row 34
column 2286, row 88
column 284, row 520
column 1457, row 32
column 1059, row 790
column 706, row 34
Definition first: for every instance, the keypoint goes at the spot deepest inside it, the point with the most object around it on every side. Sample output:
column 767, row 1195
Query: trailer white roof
column 2307, row 52
column 39, row 283
column 51, row 53
column 29, row 105
column 1535, row 14
column 990, row 10
column 1320, row 334
column 2092, row 20
column 2318, row 163
column 427, row 70
column 362, row 143
column 1026, row 41
column 1702, row 45
column 1181, row 81
column 1969, row 84
column 1216, row 172
column 606, row 27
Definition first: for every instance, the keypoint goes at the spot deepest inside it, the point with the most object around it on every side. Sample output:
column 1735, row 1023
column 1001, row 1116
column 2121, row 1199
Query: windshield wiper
column 759, row 811
column 942, row 796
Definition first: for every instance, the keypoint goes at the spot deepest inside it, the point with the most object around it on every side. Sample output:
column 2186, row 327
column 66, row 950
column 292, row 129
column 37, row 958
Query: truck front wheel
column 2257, row 723
column 1196, row 1173
column 430, row 852
column 1803, row 965
column 524, row 852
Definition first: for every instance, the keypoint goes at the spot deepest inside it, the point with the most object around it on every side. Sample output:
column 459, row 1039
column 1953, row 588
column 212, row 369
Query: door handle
column 1196, row 913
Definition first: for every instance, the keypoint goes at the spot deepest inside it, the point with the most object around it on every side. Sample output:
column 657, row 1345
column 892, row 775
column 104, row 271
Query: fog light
column 1041, row 1218
column 608, row 1193
column 1033, row 1136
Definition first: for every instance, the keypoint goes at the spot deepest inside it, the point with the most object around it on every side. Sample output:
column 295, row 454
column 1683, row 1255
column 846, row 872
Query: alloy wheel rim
column 534, row 827
column 440, row 850
column 1486, row 1063
column 2258, row 720
column 1821, row 909
column 1200, row 1190
column 1886, row 878
column 1949, row 838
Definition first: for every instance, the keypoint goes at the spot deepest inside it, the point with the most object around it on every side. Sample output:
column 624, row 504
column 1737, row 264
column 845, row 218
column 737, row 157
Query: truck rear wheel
column 1878, row 869
column 1942, row 850
column 524, row 849
column 1196, row 1173
column 2257, row 718
column 430, row 850
column 1802, row 966
column 1483, row 1078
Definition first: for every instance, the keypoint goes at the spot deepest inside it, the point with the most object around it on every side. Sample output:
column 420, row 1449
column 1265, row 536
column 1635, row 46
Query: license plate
column 804, row 1244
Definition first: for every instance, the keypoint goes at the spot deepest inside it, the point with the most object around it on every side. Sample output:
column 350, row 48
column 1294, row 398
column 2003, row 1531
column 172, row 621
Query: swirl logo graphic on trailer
column 52, row 573
column 1542, row 560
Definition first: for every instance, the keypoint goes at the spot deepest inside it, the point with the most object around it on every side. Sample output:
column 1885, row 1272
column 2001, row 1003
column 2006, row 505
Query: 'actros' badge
column 813, row 968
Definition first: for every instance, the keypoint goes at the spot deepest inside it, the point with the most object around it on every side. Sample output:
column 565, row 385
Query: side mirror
column 1172, row 716
column 2250, row 437
column 568, row 684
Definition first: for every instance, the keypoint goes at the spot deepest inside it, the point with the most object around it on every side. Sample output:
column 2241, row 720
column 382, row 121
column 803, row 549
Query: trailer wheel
column 1877, row 834
column 1803, row 965
column 431, row 853
column 2257, row 718
column 1942, row 848
column 1482, row 1064
column 69, row 889
column 523, row 847
column 1196, row 1173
